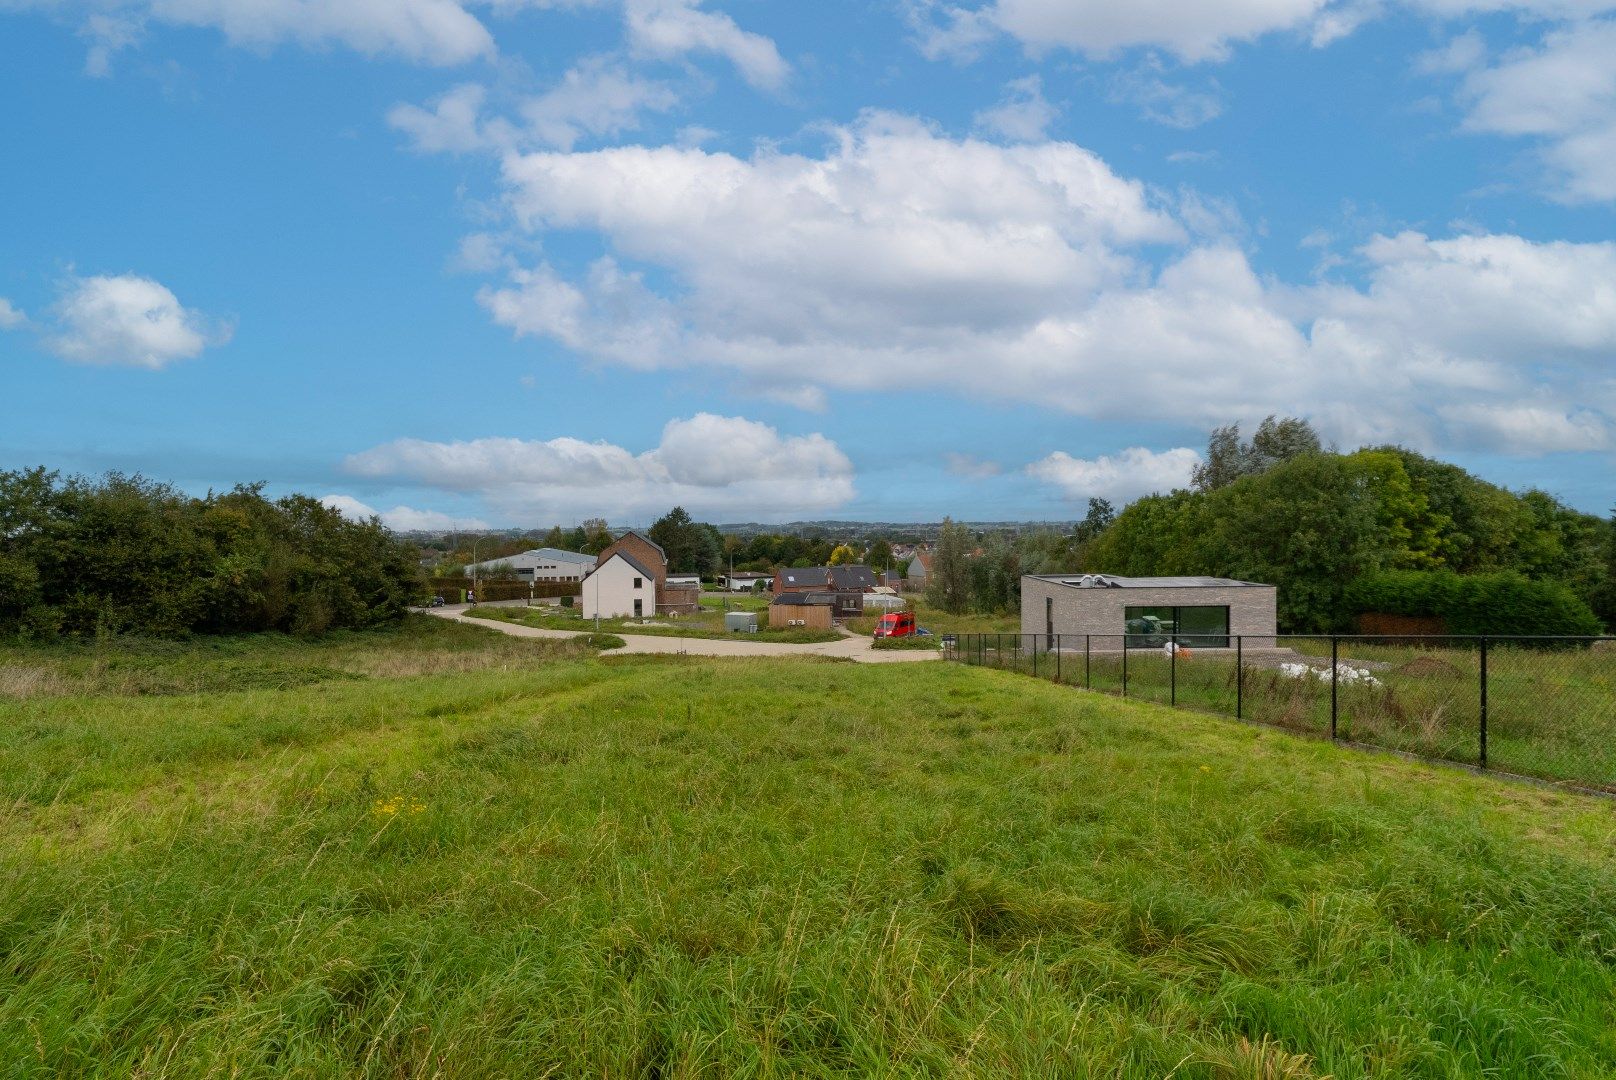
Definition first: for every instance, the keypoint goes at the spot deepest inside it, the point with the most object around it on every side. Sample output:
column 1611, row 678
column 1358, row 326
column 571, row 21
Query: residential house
column 743, row 582
column 847, row 584
column 919, row 573
column 1108, row 613
column 630, row 579
column 620, row 587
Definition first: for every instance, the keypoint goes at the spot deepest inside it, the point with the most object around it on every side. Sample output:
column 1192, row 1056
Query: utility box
column 740, row 622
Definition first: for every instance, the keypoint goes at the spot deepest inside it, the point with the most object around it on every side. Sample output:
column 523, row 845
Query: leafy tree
column 1410, row 529
column 1279, row 441
column 880, row 556
column 555, row 538
column 1604, row 594
column 1099, row 518
column 596, row 538
column 1275, row 442
column 995, row 576
column 950, row 585
column 843, row 555
column 691, row 547
column 1225, row 460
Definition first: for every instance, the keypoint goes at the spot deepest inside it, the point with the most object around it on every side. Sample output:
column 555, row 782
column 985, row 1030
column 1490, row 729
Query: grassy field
column 472, row 856
column 940, row 622
column 707, row 623
column 1551, row 712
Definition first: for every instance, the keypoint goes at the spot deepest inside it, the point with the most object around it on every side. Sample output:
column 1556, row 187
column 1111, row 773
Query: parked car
column 896, row 624
column 436, row 601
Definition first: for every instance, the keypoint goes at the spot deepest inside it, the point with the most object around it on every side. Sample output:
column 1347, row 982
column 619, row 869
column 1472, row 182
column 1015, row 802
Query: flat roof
column 1112, row 581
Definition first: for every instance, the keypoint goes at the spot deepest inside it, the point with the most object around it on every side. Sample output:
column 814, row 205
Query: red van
column 896, row 624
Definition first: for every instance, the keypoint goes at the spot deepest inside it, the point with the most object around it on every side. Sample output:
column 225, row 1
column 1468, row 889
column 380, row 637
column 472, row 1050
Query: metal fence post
column 1335, row 676
column 1125, row 665
column 1172, row 663
column 1483, row 703
column 1239, row 679
column 1088, row 683
column 1035, row 657
column 1057, row 658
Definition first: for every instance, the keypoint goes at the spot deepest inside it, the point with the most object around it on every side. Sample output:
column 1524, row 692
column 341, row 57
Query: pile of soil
column 1426, row 666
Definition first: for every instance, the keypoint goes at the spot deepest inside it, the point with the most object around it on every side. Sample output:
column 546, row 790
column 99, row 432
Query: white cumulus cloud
column 400, row 518
column 1122, row 477
column 1191, row 29
column 673, row 28
column 901, row 258
column 597, row 97
column 128, row 320
column 1024, row 115
column 707, row 463
column 424, row 31
column 11, row 317
column 1561, row 93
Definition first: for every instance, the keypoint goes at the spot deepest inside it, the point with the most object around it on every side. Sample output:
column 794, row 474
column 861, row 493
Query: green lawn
column 706, row 623
column 532, row 861
column 941, row 622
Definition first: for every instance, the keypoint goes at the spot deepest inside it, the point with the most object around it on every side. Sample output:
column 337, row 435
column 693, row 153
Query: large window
column 1196, row 627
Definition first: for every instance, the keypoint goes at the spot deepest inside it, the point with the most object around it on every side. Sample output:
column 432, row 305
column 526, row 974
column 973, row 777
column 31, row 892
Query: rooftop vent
column 1093, row 581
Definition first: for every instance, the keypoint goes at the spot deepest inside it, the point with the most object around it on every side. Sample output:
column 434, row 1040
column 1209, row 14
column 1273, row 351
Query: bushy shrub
column 122, row 554
column 914, row 641
column 1504, row 603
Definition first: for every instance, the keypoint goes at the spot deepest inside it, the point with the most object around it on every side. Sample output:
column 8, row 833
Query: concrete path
column 849, row 647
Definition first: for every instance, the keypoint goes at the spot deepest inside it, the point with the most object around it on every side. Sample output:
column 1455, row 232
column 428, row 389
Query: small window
column 639, row 607
column 637, row 584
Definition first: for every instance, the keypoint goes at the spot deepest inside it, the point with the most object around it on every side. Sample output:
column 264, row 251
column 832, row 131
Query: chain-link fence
column 1542, row 707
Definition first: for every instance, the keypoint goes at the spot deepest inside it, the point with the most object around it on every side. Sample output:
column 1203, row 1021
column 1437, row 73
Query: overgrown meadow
column 440, row 852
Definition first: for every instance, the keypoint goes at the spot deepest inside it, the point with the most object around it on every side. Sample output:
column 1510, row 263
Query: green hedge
column 914, row 641
column 1494, row 604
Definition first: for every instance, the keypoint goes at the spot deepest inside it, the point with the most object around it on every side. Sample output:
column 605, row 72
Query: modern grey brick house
column 1200, row 612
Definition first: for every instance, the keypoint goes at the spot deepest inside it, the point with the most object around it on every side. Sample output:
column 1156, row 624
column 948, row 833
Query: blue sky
column 516, row 262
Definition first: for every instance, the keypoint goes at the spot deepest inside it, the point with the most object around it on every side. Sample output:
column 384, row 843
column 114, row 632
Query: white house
column 541, row 564
column 745, row 582
column 621, row 587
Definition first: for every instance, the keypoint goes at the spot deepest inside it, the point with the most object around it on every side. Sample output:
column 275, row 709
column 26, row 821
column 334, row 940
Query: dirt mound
column 1427, row 666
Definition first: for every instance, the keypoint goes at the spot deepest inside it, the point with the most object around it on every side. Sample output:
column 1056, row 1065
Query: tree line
column 1282, row 509
column 123, row 554
column 693, row 547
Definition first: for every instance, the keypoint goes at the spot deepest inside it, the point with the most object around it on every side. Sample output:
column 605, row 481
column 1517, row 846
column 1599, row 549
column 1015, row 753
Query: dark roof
column 1112, row 581
column 853, row 577
column 806, row 599
column 806, row 575
column 841, row 578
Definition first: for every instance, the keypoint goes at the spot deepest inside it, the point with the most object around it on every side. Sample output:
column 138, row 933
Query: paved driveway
column 852, row 648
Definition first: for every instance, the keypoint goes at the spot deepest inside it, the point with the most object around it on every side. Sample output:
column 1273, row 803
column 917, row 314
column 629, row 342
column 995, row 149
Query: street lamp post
column 475, row 587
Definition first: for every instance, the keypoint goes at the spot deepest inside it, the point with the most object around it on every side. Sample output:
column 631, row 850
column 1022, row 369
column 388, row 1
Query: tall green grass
column 665, row 866
column 1551, row 711
column 707, row 623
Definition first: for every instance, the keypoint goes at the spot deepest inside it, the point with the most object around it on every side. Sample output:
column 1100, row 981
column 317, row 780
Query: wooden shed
column 813, row 611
